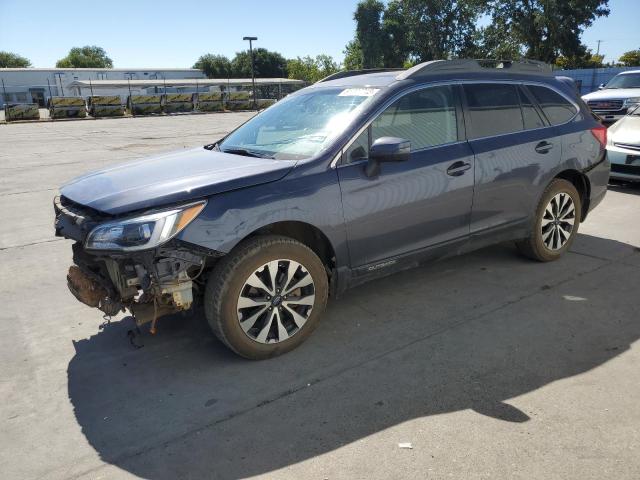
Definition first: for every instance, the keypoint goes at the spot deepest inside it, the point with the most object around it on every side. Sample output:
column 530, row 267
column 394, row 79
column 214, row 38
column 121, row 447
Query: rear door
column 414, row 204
column 514, row 147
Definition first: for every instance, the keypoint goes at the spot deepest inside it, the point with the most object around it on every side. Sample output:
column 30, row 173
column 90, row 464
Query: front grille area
column 606, row 105
column 628, row 169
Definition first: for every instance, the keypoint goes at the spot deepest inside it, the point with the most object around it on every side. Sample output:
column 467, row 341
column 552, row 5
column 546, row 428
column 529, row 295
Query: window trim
column 525, row 91
column 460, row 123
column 525, row 83
column 462, row 105
column 541, row 110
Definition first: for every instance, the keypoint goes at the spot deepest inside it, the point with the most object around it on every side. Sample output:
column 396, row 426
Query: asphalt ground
column 488, row 364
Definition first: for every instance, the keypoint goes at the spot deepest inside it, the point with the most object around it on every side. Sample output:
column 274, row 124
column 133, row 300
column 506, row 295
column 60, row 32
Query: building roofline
column 53, row 69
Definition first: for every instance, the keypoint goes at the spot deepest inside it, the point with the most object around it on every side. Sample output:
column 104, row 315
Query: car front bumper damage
column 148, row 283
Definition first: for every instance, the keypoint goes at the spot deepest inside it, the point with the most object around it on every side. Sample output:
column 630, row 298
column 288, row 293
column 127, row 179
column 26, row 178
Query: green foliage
column 352, row 55
column 267, row 64
column 546, row 29
column 369, row 33
column 311, row 69
column 412, row 30
column 395, row 48
column 214, row 66
column 438, row 29
column 630, row 58
column 422, row 30
column 85, row 57
column 13, row 60
column 587, row 60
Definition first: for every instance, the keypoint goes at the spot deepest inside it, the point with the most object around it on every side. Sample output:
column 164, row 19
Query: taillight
column 600, row 132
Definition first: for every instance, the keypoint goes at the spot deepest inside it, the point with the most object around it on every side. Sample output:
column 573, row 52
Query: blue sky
column 160, row 33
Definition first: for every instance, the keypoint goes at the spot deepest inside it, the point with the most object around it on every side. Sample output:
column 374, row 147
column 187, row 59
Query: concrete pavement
column 490, row 365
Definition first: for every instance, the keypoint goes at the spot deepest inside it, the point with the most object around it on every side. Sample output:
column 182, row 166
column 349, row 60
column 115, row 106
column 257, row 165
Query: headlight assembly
column 140, row 233
column 632, row 101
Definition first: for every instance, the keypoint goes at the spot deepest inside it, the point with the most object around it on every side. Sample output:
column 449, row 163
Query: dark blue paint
column 411, row 211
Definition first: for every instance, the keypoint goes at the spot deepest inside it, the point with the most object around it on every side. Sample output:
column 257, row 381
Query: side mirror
column 387, row 149
column 601, row 86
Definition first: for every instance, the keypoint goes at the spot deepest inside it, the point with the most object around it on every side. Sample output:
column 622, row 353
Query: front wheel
column 555, row 224
column 266, row 297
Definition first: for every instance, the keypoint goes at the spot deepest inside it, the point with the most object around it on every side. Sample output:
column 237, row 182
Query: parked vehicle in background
column 357, row 176
column 616, row 98
column 623, row 147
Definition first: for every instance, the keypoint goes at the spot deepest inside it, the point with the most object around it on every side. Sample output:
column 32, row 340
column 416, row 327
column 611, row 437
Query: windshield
column 628, row 80
column 299, row 126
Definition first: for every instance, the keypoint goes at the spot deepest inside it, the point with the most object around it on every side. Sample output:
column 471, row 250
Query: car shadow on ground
column 470, row 332
column 624, row 187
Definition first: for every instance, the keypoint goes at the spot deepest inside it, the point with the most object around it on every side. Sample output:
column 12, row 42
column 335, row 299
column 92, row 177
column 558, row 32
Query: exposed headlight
column 632, row 101
column 139, row 233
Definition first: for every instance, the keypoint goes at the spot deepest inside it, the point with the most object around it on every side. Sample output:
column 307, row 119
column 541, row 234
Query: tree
column 13, row 60
column 395, row 48
column 369, row 33
column 630, row 58
column 312, row 69
column 412, row 31
column 214, row 66
column 547, row 29
column 85, row 57
column 587, row 60
column 352, row 55
column 267, row 64
column 438, row 29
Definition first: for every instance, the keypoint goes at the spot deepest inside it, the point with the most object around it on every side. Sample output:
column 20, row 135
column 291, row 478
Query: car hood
column 612, row 93
column 171, row 178
column 626, row 130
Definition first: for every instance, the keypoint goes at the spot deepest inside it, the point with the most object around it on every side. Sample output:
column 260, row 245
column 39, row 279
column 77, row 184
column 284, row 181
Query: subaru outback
column 357, row 176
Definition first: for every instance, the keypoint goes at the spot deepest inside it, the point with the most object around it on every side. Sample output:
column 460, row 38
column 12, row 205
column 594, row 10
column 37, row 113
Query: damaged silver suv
column 360, row 175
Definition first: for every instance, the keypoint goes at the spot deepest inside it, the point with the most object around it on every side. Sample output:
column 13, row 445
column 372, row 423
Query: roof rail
column 481, row 65
column 353, row 73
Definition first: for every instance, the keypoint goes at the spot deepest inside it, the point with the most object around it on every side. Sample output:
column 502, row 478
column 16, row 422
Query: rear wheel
column 555, row 224
column 266, row 297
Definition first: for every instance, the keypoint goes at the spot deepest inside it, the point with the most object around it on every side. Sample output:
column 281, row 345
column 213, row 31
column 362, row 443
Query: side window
column 557, row 108
column 494, row 109
column 359, row 149
column 530, row 114
column 426, row 118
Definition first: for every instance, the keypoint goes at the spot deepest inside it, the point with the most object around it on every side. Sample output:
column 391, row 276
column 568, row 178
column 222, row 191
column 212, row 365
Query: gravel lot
column 490, row 365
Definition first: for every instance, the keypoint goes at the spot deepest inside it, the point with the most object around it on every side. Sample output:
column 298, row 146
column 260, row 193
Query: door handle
column 544, row 147
column 458, row 168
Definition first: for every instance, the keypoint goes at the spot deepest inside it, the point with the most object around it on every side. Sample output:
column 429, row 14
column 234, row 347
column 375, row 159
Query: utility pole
column 253, row 69
column 598, row 49
column 593, row 76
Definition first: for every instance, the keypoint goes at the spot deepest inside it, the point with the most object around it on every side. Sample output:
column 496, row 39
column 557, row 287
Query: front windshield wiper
column 246, row 153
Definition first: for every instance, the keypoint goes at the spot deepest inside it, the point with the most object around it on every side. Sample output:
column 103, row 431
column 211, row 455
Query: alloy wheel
column 558, row 221
column 275, row 301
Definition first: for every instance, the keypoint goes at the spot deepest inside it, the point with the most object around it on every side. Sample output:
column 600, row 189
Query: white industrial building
column 36, row 85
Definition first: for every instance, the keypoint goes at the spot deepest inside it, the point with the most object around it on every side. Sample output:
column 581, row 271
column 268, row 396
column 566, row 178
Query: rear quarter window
column 556, row 108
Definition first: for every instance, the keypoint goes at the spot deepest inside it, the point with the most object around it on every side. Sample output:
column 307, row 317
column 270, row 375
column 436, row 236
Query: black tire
column 534, row 246
column 228, row 278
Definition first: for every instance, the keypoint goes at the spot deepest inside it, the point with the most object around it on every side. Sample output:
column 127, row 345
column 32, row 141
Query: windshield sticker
column 358, row 92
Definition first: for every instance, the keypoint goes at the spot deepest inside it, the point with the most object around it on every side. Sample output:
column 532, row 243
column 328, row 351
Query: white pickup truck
column 618, row 97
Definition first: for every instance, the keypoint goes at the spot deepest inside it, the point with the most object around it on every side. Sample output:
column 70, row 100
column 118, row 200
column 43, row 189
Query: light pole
column 253, row 68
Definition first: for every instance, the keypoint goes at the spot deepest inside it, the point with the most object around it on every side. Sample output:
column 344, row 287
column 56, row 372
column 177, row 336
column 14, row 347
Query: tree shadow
column 472, row 332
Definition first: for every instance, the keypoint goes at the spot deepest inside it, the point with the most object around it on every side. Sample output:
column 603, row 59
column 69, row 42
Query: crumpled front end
column 149, row 283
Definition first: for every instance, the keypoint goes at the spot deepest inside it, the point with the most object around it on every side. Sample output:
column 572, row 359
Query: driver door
column 412, row 205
